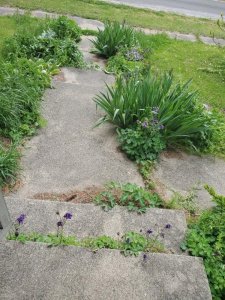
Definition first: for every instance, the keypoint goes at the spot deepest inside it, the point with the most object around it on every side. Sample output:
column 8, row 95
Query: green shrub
column 114, row 37
column 206, row 238
column 9, row 165
column 142, row 142
column 55, row 42
column 135, row 97
column 64, row 28
column 134, row 197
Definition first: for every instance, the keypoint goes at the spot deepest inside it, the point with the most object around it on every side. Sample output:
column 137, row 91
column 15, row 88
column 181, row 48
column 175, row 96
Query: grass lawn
column 188, row 60
column 137, row 17
column 7, row 28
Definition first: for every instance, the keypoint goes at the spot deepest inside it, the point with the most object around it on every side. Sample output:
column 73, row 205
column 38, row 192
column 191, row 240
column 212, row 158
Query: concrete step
column 91, row 220
column 34, row 271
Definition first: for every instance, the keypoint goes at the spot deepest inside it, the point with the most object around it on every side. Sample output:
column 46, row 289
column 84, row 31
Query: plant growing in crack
column 61, row 222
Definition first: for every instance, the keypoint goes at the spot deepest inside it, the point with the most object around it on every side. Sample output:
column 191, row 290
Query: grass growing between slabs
column 100, row 10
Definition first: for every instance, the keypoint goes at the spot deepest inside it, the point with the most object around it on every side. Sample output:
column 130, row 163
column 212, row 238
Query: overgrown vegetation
column 151, row 108
column 29, row 58
column 206, row 238
column 134, row 197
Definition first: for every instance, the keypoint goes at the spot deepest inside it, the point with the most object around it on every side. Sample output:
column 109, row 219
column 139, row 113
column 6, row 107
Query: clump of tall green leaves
column 114, row 37
column 134, row 97
column 22, row 86
column 134, row 197
column 206, row 238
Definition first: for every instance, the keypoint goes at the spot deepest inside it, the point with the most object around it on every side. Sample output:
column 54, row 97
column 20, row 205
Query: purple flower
column 68, row 216
column 149, row 231
column 144, row 124
column 21, row 218
column 161, row 126
column 59, row 223
column 168, row 226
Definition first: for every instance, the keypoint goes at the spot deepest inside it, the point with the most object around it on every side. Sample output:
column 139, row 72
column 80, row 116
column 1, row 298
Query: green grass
column 137, row 17
column 188, row 61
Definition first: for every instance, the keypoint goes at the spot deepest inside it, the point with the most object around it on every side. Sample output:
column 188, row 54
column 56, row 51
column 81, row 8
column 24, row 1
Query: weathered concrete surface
column 33, row 271
column 69, row 153
column 86, row 46
column 91, row 220
column 94, row 25
column 181, row 172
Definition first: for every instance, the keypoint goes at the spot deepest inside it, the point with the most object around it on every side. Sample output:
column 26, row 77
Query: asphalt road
column 197, row 8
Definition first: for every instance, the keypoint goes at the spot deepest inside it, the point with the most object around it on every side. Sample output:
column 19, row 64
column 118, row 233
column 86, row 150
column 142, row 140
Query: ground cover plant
column 134, row 197
column 100, row 10
column 31, row 52
column 206, row 238
column 130, row 243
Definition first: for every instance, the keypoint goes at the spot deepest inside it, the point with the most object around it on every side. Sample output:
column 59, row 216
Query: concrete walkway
column 196, row 8
column 69, row 153
column 94, row 25
column 182, row 172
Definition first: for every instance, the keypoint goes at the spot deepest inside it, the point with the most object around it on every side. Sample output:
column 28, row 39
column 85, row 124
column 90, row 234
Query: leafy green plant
column 54, row 41
column 134, row 98
column 142, row 142
column 64, row 28
column 184, row 202
column 112, row 38
column 206, row 238
column 135, row 198
column 9, row 164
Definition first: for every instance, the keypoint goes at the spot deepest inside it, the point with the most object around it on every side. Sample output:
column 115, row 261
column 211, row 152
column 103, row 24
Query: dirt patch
column 85, row 196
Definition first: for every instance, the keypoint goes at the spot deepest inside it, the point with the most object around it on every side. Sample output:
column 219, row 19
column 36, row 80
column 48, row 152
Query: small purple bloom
column 168, row 226
column 21, row 218
column 60, row 224
column 161, row 126
column 149, row 231
column 68, row 216
column 144, row 124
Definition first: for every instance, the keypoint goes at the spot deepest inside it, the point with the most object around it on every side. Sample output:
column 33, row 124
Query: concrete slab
column 181, row 172
column 91, row 220
column 33, row 271
column 69, row 153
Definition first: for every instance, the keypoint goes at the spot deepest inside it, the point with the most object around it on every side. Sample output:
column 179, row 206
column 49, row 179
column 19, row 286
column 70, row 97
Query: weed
column 135, row 198
column 206, row 238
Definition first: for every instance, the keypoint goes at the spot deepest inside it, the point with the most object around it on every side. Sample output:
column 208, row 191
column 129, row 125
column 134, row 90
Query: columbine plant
column 18, row 224
column 62, row 221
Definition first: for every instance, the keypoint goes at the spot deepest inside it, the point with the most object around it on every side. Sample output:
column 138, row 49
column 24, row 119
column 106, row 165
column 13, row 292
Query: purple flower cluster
column 134, row 55
column 62, row 221
column 21, row 219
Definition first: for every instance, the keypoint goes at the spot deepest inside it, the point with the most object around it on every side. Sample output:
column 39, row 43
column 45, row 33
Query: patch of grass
column 131, row 243
column 100, row 10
